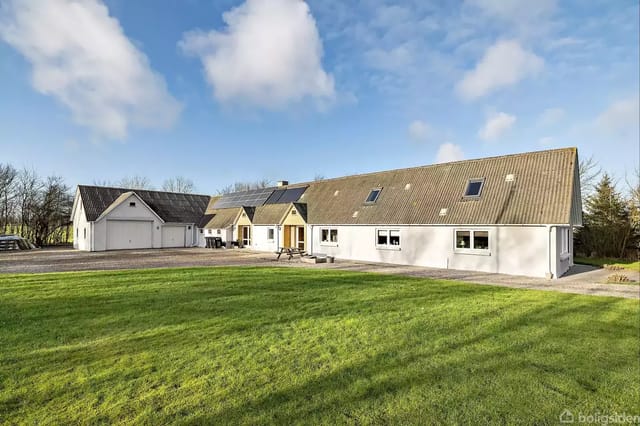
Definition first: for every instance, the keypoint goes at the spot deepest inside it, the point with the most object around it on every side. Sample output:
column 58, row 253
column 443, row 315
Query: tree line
column 35, row 207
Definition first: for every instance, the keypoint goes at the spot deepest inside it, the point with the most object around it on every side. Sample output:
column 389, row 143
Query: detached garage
column 120, row 219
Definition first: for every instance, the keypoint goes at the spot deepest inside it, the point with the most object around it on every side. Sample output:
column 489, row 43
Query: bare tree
column 179, row 184
column 136, row 182
column 104, row 182
column 28, row 189
column 8, row 176
column 318, row 177
column 245, row 186
column 589, row 170
column 51, row 223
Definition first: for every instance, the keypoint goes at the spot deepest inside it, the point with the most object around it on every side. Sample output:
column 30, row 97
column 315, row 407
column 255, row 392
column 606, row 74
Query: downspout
column 549, row 273
column 92, row 238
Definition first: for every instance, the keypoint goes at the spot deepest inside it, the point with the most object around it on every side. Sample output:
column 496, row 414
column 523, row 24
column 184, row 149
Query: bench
column 289, row 251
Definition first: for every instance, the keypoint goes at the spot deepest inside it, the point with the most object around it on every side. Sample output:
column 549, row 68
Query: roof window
column 373, row 195
column 474, row 188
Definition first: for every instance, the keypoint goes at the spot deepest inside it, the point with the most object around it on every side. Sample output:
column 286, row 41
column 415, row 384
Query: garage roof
column 170, row 206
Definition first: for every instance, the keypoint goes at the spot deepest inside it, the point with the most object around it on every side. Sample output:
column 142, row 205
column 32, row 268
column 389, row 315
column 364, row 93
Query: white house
column 512, row 214
column 117, row 218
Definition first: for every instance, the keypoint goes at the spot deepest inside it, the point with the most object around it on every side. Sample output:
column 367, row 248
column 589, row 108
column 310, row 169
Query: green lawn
column 601, row 261
column 276, row 345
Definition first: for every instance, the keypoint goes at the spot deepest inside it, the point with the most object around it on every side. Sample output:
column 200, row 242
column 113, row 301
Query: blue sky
column 224, row 91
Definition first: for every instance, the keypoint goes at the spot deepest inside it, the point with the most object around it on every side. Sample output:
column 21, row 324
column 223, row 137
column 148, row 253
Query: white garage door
column 129, row 234
column 173, row 236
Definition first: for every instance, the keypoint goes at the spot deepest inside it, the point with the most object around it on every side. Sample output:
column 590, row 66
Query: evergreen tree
column 607, row 227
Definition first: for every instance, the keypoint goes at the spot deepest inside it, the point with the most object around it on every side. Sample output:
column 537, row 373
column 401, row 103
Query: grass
column 602, row 261
column 287, row 346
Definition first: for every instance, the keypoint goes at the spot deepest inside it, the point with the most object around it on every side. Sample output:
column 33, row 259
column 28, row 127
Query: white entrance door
column 129, row 234
column 173, row 236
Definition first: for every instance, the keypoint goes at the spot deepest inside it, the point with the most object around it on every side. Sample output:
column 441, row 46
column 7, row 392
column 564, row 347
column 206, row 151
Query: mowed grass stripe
column 275, row 345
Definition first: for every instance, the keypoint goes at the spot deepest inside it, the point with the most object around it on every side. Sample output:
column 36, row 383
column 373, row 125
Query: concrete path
column 580, row 280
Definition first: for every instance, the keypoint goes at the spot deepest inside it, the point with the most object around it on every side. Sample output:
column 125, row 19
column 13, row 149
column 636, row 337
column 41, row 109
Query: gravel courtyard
column 581, row 279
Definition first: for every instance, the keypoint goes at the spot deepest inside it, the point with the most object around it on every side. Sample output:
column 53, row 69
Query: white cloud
column 418, row 130
column 269, row 55
column 449, row 152
column 81, row 56
column 551, row 116
column 504, row 64
column 621, row 118
column 496, row 126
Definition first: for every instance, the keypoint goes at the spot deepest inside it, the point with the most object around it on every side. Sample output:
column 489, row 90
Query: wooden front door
column 286, row 241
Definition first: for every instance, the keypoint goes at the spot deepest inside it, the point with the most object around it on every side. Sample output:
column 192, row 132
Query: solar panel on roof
column 255, row 197
column 273, row 199
column 291, row 195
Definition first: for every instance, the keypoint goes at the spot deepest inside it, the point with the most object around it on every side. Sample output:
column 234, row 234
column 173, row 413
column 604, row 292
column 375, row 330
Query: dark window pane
column 334, row 235
column 325, row 235
column 394, row 238
column 473, row 189
column 382, row 238
column 481, row 240
column 373, row 196
column 463, row 239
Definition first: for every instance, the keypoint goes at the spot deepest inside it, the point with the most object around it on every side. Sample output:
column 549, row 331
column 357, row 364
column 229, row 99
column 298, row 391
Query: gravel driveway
column 580, row 280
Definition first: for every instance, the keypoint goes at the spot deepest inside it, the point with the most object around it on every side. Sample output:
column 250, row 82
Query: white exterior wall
column 516, row 250
column 201, row 233
column 260, row 241
column 81, row 229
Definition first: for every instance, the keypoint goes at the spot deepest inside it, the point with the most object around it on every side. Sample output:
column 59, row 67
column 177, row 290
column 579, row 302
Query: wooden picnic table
column 289, row 251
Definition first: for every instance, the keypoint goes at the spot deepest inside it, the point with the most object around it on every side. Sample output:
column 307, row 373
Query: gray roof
column 170, row 206
column 545, row 190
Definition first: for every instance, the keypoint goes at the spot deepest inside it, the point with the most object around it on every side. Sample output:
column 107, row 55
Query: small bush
column 618, row 278
column 613, row 267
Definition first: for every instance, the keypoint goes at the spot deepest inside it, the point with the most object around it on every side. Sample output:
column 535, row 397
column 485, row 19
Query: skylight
column 373, row 195
column 474, row 188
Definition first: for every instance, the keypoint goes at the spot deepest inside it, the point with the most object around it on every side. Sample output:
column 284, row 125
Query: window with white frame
column 388, row 238
column 564, row 240
column 329, row 236
column 472, row 240
column 271, row 234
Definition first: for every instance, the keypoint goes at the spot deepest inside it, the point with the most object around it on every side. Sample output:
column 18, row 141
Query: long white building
column 512, row 214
